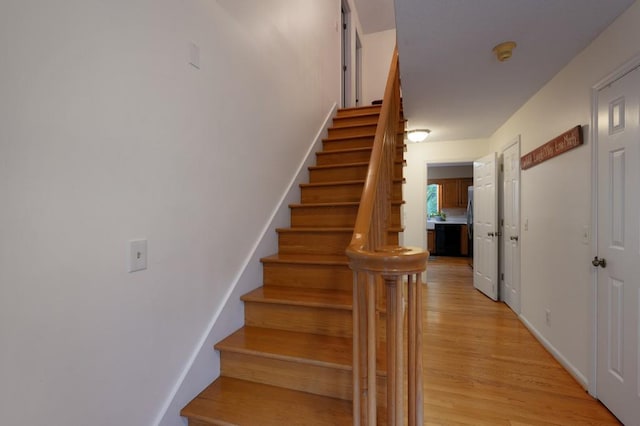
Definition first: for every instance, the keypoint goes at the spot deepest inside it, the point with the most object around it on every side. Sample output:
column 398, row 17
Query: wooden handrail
column 377, row 265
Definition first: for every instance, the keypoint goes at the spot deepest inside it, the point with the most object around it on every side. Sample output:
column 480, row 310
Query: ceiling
column 451, row 81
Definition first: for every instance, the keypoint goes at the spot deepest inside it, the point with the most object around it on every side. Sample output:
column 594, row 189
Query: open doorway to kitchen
column 449, row 225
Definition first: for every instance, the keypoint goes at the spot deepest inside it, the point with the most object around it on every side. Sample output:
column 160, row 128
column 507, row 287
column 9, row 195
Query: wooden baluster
column 399, row 319
column 395, row 373
column 415, row 350
column 419, row 397
column 356, row 350
column 371, row 350
column 392, row 337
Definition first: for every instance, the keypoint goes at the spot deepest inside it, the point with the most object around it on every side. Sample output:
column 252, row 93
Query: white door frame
column 593, row 302
column 503, row 242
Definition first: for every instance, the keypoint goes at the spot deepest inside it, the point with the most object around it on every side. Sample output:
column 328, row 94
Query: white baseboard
column 228, row 318
column 556, row 354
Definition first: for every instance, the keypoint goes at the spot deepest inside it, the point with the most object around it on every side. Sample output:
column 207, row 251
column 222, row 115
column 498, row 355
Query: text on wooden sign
column 556, row 146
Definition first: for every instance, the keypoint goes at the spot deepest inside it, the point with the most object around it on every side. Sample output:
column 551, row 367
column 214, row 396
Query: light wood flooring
column 483, row 367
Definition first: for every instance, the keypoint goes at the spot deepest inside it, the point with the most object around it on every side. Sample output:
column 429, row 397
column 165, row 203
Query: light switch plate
column 137, row 255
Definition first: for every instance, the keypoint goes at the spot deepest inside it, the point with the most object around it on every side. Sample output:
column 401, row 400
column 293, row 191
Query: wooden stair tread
column 345, row 165
column 322, row 298
column 336, row 204
column 344, row 182
column 311, row 229
column 229, row 401
column 319, row 230
column 339, row 166
column 339, row 138
column 359, row 110
column 307, row 348
column 306, row 259
column 343, row 151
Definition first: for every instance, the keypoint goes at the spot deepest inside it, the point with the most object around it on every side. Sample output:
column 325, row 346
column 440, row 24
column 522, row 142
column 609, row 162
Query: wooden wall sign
column 556, row 146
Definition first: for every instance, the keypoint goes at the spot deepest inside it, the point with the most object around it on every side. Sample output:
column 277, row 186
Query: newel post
column 400, row 269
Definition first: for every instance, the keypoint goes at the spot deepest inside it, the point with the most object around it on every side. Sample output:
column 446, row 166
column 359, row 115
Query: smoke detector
column 504, row 50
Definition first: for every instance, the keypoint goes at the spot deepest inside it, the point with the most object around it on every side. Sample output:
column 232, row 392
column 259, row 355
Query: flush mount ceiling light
column 418, row 135
column 504, row 50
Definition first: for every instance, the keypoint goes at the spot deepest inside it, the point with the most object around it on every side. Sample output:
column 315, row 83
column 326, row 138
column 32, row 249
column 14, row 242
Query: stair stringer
column 198, row 373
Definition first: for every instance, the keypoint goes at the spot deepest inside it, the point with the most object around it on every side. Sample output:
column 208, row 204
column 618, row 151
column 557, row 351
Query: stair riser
column 335, row 277
column 345, row 173
column 320, row 243
column 329, row 145
column 327, row 158
column 338, row 174
column 321, row 216
column 308, row 319
column 351, row 112
column 316, row 379
column 356, row 120
column 348, row 143
column 305, row 319
column 319, row 380
column 332, row 194
column 306, row 242
column 340, row 193
column 342, row 132
column 332, row 216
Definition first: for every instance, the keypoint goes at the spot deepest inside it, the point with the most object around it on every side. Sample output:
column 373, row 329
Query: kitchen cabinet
column 454, row 192
column 464, row 241
column 431, row 241
column 450, row 193
column 465, row 183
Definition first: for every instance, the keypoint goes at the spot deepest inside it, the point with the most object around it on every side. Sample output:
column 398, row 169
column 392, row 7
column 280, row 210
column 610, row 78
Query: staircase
column 292, row 361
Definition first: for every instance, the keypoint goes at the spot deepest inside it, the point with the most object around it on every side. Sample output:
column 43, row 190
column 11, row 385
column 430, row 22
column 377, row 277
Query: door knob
column 513, row 238
column 490, row 234
column 599, row 262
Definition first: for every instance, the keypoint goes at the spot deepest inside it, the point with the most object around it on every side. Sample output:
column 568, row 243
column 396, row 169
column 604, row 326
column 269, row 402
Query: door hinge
column 344, row 68
column 344, row 26
column 501, row 222
column 502, row 276
column 502, row 167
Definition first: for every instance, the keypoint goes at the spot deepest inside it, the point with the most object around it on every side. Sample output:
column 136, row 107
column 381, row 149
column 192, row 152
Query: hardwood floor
column 482, row 366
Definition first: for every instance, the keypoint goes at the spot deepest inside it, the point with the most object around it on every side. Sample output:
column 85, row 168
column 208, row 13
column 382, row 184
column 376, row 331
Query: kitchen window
column 433, row 199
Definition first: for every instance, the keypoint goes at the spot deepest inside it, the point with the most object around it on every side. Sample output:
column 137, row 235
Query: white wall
column 448, row 172
column 415, row 190
column 556, row 195
column 107, row 134
column 376, row 58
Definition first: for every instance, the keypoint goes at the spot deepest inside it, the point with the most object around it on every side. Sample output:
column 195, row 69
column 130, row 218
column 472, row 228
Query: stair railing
column 378, row 266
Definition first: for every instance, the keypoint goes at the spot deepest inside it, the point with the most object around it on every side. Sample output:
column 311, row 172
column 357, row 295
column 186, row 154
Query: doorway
column 445, row 210
column 345, row 62
column 616, row 262
column 510, row 226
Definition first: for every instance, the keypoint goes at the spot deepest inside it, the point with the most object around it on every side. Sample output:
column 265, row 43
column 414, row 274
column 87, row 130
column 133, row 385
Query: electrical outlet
column 548, row 317
column 137, row 255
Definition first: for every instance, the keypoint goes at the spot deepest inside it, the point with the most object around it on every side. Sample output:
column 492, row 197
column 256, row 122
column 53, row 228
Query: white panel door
column 511, row 229
column 618, row 281
column 485, row 229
